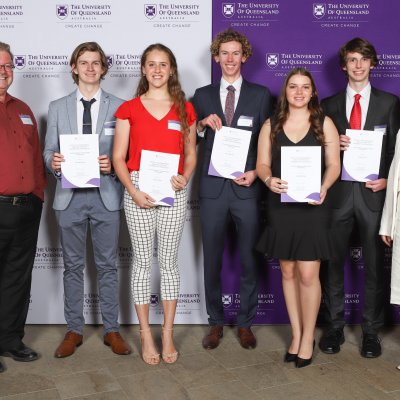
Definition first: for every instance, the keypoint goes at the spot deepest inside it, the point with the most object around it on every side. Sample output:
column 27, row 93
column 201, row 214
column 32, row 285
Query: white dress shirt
column 94, row 110
column 364, row 102
column 223, row 91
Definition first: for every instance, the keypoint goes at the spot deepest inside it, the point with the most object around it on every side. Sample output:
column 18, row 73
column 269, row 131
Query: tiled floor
column 228, row 372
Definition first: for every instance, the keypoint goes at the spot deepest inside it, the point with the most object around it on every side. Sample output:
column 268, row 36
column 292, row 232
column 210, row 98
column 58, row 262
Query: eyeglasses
column 7, row 67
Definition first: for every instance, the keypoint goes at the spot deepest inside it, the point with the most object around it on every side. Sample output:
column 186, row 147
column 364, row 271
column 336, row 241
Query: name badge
column 380, row 128
column 245, row 120
column 26, row 119
column 174, row 125
column 109, row 128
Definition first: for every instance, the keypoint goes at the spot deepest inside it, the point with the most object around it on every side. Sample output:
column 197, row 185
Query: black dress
column 295, row 231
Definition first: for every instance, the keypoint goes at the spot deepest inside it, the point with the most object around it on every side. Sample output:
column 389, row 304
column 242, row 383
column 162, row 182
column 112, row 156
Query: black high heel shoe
column 290, row 357
column 304, row 362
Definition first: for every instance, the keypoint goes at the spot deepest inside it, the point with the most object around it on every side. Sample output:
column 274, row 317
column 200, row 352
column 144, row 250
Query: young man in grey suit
column 240, row 104
column 359, row 106
column 88, row 110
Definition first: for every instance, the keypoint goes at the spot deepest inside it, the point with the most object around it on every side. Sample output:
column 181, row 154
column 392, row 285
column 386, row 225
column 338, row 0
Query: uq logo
column 227, row 300
column 19, row 62
column 319, row 10
column 150, row 10
column 228, row 10
column 154, row 299
column 110, row 61
column 62, row 11
column 355, row 253
column 272, row 60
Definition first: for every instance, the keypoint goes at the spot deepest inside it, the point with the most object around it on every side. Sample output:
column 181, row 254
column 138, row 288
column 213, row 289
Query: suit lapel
column 71, row 110
column 104, row 104
column 241, row 102
column 216, row 99
column 344, row 123
column 373, row 100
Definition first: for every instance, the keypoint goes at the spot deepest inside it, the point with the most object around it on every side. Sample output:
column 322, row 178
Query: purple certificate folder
column 301, row 169
column 229, row 153
column 81, row 166
column 361, row 160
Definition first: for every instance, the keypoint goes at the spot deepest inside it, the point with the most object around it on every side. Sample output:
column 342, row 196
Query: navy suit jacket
column 255, row 101
column 383, row 110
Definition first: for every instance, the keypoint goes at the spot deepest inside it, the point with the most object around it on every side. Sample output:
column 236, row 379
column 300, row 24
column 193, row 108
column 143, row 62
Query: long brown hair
column 174, row 86
column 282, row 108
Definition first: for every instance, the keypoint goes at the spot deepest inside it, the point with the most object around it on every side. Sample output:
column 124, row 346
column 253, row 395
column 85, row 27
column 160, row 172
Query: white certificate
column 301, row 169
column 362, row 158
column 81, row 166
column 156, row 170
column 229, row 153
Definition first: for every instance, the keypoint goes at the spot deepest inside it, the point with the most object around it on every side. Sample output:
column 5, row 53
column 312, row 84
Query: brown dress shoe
column 246, row 338
column 211, row 340
column 68, row 346
column 117, row 343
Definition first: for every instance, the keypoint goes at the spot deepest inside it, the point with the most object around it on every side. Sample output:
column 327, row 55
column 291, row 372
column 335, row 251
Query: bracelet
column 267, row 179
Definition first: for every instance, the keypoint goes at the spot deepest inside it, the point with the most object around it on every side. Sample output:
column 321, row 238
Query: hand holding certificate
column 301, row 168
column 80, row 168
column 229, row 153
column 362, row 158
column 156, row 170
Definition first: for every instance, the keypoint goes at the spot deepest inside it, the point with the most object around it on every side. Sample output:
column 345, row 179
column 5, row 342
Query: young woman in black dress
column 298, row 233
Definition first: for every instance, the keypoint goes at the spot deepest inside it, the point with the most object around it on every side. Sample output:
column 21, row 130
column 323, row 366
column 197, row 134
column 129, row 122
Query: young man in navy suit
column 87, row 110
column 359, row 106
column 240, row 104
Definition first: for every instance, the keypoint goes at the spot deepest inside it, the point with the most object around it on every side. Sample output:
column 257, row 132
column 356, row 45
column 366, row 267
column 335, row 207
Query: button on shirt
column 94, row 110
column 21, row 163
column 364, row 102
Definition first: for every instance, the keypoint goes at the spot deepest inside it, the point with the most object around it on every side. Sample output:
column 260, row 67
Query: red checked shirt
column 21, row 163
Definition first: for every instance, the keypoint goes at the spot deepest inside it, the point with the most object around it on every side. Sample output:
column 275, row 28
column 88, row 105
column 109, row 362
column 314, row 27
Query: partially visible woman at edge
column 298, row 233
column 390, row 224
column 158, row 119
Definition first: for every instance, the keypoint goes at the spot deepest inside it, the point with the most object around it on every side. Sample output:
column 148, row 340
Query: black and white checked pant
column 143, row 225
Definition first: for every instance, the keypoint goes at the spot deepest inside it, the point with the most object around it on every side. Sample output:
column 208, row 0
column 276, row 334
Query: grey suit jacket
column 62, row 119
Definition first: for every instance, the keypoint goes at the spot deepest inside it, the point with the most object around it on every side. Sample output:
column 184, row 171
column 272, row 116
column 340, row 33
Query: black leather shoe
column 290, row 357
column 2, row 369
column 304, row 362
column 371, row 346
column 21, row 353
column 331, row 340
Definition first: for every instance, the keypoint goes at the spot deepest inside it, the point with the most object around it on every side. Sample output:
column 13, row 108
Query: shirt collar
column 237, row 84
column 364, row 93
column 79, row 95
column 9, row 98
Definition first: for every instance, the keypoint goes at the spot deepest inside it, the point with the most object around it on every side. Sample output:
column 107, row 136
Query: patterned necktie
column 355, row 116
column 230, row 105
column 87, row 118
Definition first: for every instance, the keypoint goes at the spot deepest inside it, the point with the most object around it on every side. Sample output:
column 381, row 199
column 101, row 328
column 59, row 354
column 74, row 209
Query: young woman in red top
column 158, row 119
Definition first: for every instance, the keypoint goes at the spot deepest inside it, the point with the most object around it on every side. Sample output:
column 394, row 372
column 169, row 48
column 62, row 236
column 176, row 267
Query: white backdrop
column 42, row 36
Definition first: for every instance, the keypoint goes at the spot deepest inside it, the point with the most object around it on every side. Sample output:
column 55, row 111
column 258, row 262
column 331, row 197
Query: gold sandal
column 151, row 359
column 168, row 358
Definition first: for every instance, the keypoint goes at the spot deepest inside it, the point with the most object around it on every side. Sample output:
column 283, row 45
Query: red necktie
column 355, row 116
column 230, row 105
